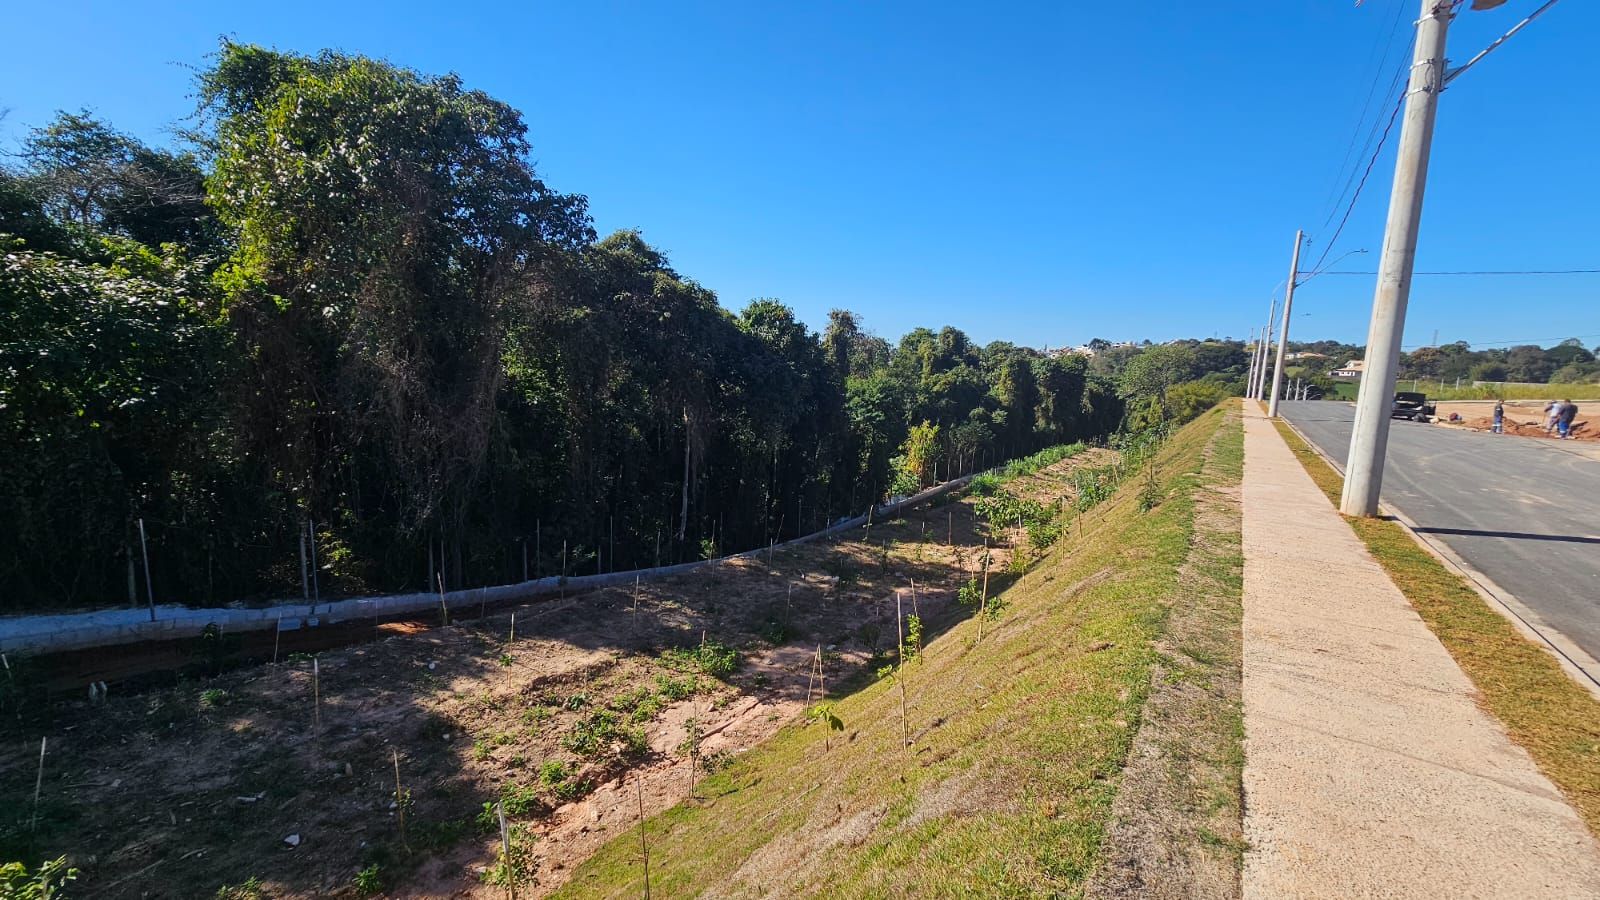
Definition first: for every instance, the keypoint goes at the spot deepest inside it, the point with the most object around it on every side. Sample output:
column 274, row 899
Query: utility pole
column 1369, row 438
column 1283, row 331
column 1250, row 376
column 1266, row 341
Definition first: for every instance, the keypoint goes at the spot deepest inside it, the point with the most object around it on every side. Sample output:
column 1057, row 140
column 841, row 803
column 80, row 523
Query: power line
column 1329, row 245
column 1377, row 74
column 1518, row 342
column 1499, row 272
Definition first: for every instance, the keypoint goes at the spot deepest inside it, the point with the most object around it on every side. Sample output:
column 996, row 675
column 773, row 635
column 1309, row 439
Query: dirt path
column 1175, row 830
column 1370, row 771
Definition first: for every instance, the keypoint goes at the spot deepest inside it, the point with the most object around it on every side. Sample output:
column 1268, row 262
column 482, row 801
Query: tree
column 1155, row 369
column 383, row 220
column 87, row 174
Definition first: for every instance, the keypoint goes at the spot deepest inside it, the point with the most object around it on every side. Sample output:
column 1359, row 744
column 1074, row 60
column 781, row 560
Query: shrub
column 710, row 658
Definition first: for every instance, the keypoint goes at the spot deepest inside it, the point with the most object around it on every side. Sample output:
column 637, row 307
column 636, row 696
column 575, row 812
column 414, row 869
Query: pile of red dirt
column 1580, row 430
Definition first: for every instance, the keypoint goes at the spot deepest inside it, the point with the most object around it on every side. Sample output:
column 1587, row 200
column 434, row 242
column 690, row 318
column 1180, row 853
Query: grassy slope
column 1017, row 741
column 1555, row 720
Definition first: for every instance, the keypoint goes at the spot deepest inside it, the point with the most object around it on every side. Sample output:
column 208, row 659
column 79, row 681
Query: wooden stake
column 38, row 785
column 505, row 852
column 644, row 847
column 983, row 603
column 316, row 694
column 144, row 551
column 277, row 636
column 950, row 523
column 513, row 638
column 444, row 609
column 400, row 801
column 635, row 603
column 918, row 613
column 900, row 672
column 316, row 592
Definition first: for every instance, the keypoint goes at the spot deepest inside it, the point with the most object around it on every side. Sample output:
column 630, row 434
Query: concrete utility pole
column 1261, row 351
column 1283, row 331
column 1250, row 377
column 1369, row 439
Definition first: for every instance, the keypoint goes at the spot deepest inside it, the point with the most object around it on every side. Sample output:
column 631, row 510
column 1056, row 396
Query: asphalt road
column 1523, row 511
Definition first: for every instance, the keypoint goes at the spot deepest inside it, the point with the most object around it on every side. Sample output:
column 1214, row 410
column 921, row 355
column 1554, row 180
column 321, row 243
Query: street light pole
column 1369, row 436
column 1250, row 375
column 1283, row 331
column 1261, row 351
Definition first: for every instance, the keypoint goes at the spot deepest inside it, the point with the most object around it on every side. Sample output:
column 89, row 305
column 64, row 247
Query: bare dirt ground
column 1524, row 418
column 280, row 780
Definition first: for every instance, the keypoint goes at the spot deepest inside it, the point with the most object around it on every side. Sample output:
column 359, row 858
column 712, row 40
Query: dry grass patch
column 1554, row 719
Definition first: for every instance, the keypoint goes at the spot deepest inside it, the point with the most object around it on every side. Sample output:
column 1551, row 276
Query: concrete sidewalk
column 1370, row 771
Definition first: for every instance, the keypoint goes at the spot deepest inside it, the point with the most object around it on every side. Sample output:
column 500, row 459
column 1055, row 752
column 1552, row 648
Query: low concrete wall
column 108, row 628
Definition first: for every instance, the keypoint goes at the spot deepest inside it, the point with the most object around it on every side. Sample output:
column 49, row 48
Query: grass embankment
column 1017, row 739
column 1519, row 682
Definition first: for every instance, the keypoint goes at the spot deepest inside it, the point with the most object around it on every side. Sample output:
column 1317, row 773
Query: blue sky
column 1036, row 173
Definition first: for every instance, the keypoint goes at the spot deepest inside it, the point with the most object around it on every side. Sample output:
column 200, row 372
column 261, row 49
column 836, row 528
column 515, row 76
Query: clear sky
column 1040, row 173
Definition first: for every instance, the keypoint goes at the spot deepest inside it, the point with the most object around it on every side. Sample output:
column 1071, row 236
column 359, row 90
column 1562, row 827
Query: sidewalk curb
column 1579, row 665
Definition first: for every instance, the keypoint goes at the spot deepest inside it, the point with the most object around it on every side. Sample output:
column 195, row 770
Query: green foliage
column 827, row 714
column 211, row 698
column 604, row 733
column 43, row 883
column 369, row 881
column 249, row 889
column 970, row 594
column 710, row 658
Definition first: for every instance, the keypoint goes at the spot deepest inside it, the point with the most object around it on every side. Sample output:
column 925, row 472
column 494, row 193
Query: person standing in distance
column 1569, row 411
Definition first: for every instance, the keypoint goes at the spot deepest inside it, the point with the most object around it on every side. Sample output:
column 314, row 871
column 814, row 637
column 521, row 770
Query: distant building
column 1299, row 355
column 1086, row 350
column 1351, row 369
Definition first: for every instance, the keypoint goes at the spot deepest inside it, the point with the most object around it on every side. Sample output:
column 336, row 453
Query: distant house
column 1351, row 369
column 1301, row 355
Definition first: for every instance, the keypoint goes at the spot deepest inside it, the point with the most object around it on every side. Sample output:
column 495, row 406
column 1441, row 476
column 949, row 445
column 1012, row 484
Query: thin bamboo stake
column 644, row 847
column 144, row 551
column 38, row 785
column 505, row 852
column 635, row 603
column 277, row 636
column 983, row 603
column 900, row 671
column 400, row 801
column 316, row 591
column 316, row 695
column 443, row 607
column 513, row 638
column 918, row 613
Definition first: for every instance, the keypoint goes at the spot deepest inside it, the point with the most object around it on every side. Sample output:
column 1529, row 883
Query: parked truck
column 1412, row 405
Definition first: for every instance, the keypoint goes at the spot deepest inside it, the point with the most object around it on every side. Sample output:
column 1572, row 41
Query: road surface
column 1523, row 511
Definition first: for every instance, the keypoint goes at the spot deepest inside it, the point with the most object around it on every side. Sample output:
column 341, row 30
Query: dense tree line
column 349, row 308
column 1567, row 362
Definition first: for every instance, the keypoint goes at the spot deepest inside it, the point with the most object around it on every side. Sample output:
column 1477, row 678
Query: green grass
column 1520, row 683
column 1018, row 741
